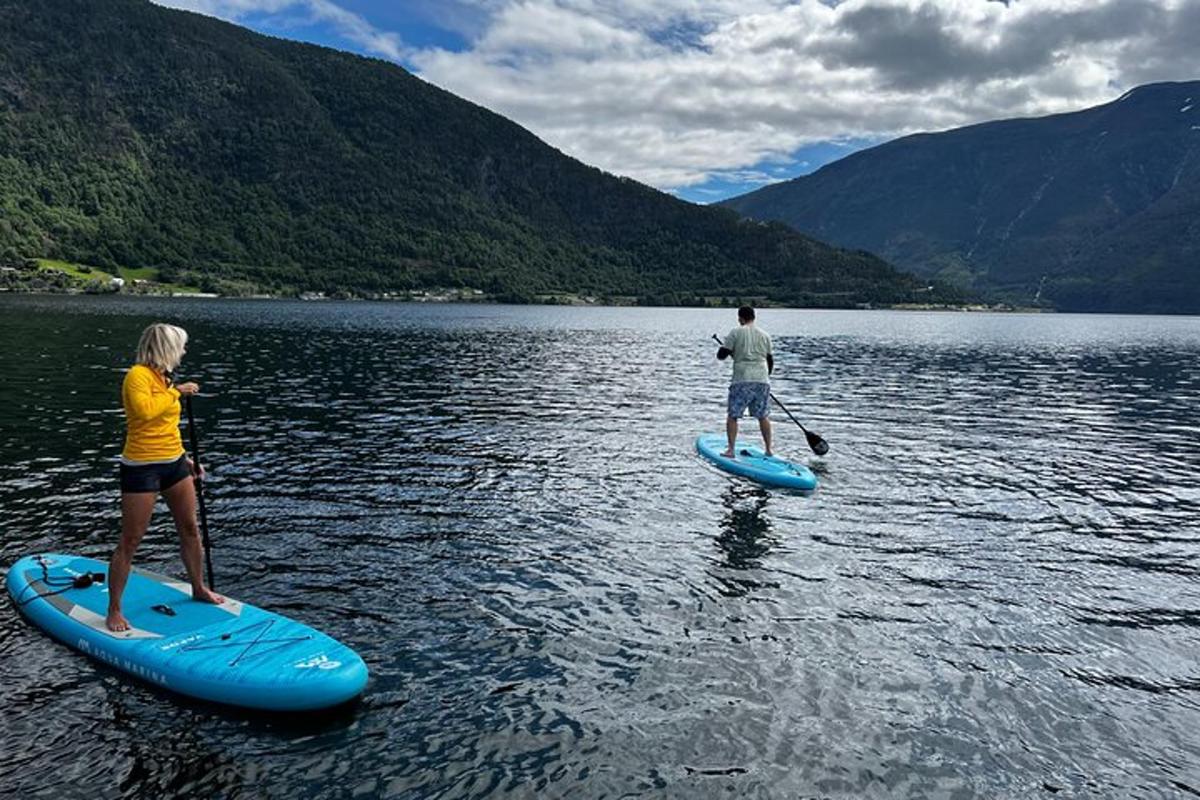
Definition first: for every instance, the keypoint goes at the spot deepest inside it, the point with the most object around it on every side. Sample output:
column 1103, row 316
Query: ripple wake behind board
column 231, row 653
column 753, row 463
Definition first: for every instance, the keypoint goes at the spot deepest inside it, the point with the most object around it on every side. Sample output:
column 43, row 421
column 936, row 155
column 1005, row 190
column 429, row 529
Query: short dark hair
column 746, row 313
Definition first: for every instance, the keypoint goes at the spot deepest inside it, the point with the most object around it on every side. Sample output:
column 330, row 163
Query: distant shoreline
column 51, row 276
column 434, row 297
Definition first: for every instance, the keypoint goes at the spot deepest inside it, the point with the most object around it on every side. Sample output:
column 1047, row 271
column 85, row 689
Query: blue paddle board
column 230, row 653
column 751, row 462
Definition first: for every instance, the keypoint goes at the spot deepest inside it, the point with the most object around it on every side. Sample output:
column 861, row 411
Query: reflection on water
column 994, row 592
column 745, row 530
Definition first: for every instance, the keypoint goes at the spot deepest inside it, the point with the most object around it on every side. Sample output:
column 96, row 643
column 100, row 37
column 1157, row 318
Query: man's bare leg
column 764, row 425
column 731, row 430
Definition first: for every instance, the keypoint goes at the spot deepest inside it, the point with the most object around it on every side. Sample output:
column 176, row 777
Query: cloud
column 678, row 92
column 979, row 43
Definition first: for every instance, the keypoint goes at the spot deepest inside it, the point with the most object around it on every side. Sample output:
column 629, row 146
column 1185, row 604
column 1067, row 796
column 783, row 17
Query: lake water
column 994, row 593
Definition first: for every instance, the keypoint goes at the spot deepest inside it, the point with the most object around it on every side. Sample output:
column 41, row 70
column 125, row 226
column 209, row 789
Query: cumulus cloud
column 678, row 92
column 754, row 80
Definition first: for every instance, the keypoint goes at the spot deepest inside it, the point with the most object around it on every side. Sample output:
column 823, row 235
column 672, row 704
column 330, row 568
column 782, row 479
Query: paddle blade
column 818, row 445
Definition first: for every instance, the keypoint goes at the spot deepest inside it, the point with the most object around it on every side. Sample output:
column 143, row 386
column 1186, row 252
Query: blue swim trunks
column 752, row 395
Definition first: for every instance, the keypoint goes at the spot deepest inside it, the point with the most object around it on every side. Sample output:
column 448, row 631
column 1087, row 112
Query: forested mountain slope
column 140, row 136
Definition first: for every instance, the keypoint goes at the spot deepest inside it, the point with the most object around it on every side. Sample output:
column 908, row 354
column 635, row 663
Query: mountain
column 1097, row 210
column 136, row 136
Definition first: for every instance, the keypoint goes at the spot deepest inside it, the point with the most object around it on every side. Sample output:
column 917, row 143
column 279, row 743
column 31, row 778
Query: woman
column 154, row 462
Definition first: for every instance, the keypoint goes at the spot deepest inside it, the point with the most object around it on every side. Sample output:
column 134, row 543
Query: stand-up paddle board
column 751, row 462
column 229, row 653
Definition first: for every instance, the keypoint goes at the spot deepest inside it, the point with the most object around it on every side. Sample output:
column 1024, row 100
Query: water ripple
column 994, row 593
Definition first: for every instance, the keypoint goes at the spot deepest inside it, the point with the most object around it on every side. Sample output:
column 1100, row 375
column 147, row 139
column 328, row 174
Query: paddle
column 199, row 483
column 818, row 445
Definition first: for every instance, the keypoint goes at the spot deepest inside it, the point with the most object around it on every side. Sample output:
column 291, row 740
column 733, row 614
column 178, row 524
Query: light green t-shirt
column 750, row 348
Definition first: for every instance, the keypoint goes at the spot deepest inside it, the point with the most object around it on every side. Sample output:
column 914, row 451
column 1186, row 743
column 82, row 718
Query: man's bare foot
column 769, row 454
column 206, row 595
column 728, row 454
column 116, row 622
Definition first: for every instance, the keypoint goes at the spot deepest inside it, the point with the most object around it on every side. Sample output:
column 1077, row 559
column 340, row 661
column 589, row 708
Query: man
column 753, row 363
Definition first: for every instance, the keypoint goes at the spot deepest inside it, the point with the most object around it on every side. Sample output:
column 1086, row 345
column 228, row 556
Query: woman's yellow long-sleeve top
column 151, row 416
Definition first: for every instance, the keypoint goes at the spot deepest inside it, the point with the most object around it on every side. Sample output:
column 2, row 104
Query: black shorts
column 153, row 477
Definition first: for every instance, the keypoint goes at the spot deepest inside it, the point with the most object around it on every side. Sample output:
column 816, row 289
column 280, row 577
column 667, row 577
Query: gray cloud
column 1174, row 52
column 914, row 48
column 908, row 49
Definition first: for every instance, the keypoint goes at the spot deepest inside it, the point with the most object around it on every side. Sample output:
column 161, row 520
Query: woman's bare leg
column 181, row 499
column 136, row 508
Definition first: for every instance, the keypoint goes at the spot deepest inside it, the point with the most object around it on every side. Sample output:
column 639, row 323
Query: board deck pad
column 752, row 462
column 231, row 653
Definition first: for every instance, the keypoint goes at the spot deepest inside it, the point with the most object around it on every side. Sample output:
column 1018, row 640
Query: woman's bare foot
column 116, row 622
column 206, row 595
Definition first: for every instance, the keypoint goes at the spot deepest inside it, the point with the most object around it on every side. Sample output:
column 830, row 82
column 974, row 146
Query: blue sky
column 419, row 25
column 712, row 98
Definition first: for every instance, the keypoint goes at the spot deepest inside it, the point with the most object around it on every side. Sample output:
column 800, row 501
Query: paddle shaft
column 199, row 483
column 789, row 413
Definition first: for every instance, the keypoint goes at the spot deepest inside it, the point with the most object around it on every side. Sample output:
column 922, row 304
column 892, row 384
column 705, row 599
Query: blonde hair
column 161, row 346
